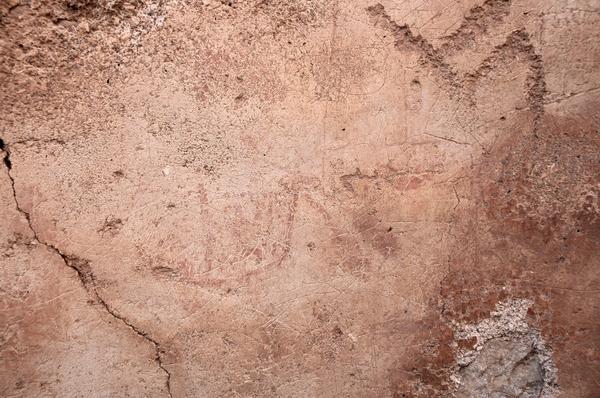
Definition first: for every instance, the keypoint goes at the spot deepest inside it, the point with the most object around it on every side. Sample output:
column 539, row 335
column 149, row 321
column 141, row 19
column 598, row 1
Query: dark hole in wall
column 6, row 157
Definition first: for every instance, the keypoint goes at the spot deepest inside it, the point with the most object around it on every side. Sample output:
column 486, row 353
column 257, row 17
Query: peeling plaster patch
column 507, row 357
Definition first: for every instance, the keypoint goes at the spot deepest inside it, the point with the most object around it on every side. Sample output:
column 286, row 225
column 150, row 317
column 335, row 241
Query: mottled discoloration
column 301, row 198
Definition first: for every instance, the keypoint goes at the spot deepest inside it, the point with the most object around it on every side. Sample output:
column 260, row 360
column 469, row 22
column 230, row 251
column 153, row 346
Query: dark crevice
column 6, row 159
column 84, row 273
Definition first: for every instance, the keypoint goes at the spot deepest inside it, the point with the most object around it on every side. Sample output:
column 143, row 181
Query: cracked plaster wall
column 300, row 198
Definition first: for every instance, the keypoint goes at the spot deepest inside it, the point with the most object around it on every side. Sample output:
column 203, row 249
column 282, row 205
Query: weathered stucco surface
column 300, row 198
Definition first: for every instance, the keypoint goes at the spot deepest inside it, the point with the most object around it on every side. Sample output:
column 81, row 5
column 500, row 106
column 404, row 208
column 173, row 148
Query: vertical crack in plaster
column 84, row 272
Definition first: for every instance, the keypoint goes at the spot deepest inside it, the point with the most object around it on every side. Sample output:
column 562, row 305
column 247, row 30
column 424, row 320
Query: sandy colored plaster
column 299, row 198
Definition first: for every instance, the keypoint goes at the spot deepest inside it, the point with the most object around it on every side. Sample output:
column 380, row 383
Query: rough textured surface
column 504, row 356
column 300, row 198
column 503, row 369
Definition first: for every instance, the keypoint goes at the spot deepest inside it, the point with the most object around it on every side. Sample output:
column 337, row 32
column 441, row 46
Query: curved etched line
column 517, row 44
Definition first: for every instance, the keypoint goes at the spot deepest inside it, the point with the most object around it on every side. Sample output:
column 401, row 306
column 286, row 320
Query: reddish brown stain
column 533, row 234
column 292, row 198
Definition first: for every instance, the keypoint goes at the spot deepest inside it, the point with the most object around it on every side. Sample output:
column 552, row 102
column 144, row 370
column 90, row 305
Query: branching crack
column 84, row 273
